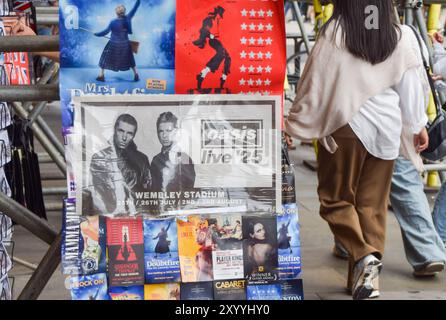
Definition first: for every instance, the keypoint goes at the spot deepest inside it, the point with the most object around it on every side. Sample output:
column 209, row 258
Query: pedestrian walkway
column 325, row 276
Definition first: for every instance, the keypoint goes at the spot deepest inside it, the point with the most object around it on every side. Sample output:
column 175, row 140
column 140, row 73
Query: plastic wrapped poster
column 292, row 289
column 161, row 260
column 178, row 154
column 84, row 242
column 127, row 293
column 227, row 253
column 260, row 249
column 113, row 47
column 264, row 292
column 91, row 287
column 125, row 246
column 195, row 246
column 197, row 291
column 288, row 243
column 230, row 290
column 162, row 291
column 230, row 47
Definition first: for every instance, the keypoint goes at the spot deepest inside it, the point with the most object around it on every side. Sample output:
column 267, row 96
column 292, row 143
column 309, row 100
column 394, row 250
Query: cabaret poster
column 125, row 252
column 177, row 154
column 111, row 47
column 230, row 46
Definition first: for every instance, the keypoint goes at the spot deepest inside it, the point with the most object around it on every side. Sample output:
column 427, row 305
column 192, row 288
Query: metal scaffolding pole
column 44, row 271
column 21, row 215
column 48, row 92
column 29, row 44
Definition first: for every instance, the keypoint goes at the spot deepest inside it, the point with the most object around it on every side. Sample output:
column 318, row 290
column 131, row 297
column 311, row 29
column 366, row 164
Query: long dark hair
column 372, row 45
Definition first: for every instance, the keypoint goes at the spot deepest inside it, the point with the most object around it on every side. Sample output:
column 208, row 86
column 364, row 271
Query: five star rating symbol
column 250, row 27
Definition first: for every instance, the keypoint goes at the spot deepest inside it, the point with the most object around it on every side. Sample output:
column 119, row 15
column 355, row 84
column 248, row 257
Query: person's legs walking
column 439, row 213
column 339, row 180
column 422, row 244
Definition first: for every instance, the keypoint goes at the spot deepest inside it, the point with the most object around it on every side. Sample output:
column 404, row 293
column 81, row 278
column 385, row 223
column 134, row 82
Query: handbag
column 437, row 128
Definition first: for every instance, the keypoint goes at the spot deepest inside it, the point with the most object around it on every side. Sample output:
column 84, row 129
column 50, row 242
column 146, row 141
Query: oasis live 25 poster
column 181, row 154
column 225, row 46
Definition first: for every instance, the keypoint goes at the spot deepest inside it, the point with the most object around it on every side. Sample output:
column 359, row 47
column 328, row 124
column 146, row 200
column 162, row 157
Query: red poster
column 125, row 251
column 230, row 46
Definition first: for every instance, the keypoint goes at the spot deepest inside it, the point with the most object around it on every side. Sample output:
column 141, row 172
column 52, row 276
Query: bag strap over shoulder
column 428, row 68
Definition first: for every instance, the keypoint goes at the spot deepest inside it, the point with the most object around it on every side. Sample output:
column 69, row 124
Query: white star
column 260, row 40
column 266, row 93
column 252, row 27
column 244, row 26
column 242, row 82
column 260, row 55
column 259, row 82
column 261, row 13
column 252, row 55
column 243, row 40
column 260, row 27
column 250, row 82
column 249, row 93
column 268, row 69
column 269, row 27
column 269, row 41
column 244, row 13
column 243, row 68
column 259, row 69
column 268, row 55
column 269, row 13
column 251, row 69
column 267, row 82
column 243, row 54
column 252, row 13
column 252, row 40
column 258, row 92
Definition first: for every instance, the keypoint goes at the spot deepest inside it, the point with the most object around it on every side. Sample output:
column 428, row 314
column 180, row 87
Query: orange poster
column 195, row 249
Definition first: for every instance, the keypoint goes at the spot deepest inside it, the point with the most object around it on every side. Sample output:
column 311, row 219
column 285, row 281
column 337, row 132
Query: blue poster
column 127, row 293
column 264, row 292
column 115, row 47
column 93, row 287
column 292, row 289
column 288, row 243
column 161, row 251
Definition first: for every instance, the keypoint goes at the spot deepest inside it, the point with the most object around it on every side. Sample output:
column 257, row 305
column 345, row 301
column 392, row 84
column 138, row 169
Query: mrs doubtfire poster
column 115, row 47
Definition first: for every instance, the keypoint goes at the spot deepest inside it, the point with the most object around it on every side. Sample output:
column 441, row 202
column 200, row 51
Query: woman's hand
column 436, row 38
column 421, row 141
column 437, row 77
